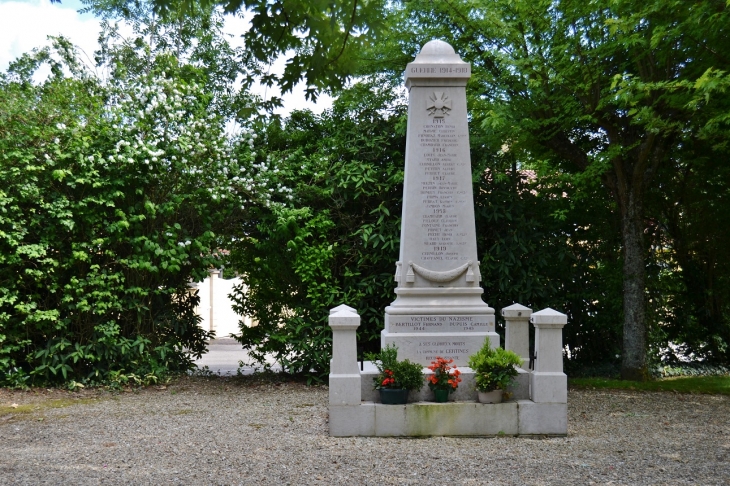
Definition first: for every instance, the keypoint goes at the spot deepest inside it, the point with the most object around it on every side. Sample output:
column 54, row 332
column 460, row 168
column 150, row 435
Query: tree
column 321, row 38
column 690, row 237
column 604, row 90
column 115, row 194
column 335, row 241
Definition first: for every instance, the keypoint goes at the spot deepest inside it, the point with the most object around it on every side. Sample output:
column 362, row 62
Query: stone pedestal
column 548, row 383
column 461, row 416
column 344, row 378
column 438, row 310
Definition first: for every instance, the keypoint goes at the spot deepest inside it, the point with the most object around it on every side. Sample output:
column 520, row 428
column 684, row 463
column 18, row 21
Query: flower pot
column 441, row 396
column 393, row 396
column 494, row 396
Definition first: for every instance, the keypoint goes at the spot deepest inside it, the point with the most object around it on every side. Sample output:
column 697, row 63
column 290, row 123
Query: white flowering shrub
column 114, row 196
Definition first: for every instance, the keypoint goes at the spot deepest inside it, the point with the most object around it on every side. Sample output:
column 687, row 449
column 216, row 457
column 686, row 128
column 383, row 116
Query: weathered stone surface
column 543, row 418
column 350, row 421
column 522, row 417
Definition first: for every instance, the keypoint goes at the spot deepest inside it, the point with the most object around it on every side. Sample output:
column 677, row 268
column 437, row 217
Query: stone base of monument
column 537, row 405
column 461, row 416
column 514, row 418
column 425, row 347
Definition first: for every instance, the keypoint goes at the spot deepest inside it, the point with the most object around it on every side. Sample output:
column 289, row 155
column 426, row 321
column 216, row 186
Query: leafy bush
column 691, row 369
column 494, row 368
column 337, row 239
column 112, row 195
column 405, row 375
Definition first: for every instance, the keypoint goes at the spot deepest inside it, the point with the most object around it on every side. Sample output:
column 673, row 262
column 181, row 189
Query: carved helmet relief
column 438, row 104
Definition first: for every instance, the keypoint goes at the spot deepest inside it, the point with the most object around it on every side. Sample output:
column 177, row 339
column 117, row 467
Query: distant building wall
column 216, row 308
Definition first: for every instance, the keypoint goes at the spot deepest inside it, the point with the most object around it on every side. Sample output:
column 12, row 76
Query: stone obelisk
column 438, row 310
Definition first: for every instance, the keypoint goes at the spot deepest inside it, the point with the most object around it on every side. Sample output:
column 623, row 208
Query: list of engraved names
column 439, row 323
column 441, row 192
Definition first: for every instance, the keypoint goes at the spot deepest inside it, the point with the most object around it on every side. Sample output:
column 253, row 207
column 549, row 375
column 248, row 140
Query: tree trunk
column 627, row 181
column 633, row 363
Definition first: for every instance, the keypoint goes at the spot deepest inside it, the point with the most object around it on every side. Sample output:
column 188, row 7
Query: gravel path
column 233, row 431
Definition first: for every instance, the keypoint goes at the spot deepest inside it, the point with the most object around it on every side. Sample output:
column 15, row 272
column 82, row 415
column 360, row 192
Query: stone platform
column 423, row 419
column 462, row 415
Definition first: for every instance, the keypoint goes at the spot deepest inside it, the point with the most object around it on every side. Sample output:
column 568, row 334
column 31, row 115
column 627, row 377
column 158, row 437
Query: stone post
column 548, row 382
column 517, row 331
column 344, row 378
column 517, row 339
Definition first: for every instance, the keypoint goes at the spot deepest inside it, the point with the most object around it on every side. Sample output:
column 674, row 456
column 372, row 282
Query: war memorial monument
column 438, row 309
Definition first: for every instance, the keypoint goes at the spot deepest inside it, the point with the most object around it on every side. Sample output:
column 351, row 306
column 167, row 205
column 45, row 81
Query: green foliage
column 336, row 239
column 692, row 369
column 494, row 368
column 597, row 130
column 690, row 272
column 193, row 40
column 323, row 39
column 405, row 374
column 616, row 97
column 114, row 196
column 544, row 243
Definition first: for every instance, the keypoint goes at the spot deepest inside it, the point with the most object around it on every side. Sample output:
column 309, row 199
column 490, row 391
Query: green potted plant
column 395, row 378
column 494, row 371
column 444, row 380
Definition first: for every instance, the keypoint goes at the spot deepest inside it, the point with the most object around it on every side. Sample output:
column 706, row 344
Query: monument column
column 438, row 310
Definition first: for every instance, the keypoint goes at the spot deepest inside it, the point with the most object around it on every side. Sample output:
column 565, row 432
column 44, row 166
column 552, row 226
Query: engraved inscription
column 398, row 324
column 440, row 191
column 446, row 348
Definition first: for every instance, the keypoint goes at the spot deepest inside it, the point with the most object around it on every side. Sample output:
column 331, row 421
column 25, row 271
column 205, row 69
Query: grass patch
column 30, row 408
column 715, row 385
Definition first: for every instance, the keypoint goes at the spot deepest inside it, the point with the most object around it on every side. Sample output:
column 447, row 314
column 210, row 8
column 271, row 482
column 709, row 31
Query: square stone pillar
column 344, row 378
column 517, row 339
column 517, row 331
column 548, row 382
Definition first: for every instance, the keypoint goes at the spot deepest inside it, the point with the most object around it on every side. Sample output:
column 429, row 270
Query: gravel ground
column 239, row 431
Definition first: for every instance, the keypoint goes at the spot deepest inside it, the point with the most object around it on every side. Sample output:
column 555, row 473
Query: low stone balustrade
column 538, row 405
